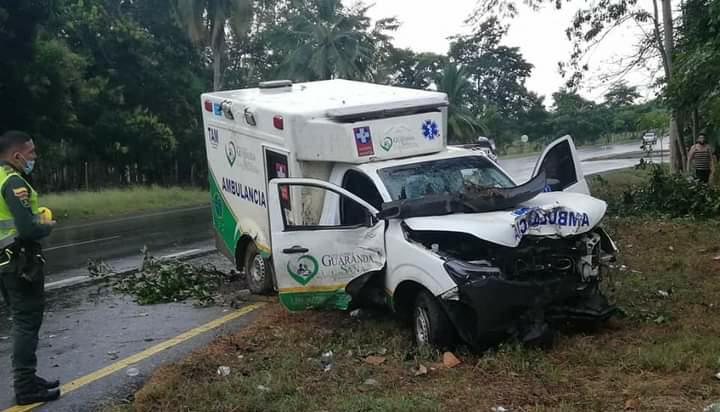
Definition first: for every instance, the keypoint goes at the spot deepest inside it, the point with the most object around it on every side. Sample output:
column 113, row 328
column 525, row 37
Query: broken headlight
column 463, row 271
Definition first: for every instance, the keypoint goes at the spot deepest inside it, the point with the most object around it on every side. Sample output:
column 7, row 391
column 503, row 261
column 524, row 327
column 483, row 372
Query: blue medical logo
column 217, row 109
column 430, row 129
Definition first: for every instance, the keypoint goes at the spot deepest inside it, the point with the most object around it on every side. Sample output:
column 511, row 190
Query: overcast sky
column 540, row 35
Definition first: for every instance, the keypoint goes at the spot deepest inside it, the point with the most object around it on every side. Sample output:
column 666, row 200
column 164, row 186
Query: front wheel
column 430, row 323
column 258, row 271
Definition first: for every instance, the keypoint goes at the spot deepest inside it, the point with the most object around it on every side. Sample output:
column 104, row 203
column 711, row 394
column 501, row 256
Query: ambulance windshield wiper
column 484, row 200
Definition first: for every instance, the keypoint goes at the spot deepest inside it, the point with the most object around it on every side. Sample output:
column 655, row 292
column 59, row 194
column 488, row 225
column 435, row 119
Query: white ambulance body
column 337, row 193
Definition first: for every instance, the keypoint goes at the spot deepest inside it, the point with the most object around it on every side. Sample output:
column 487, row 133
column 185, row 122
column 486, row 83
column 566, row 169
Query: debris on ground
column 132, row 372
column 4, row 337
column 371, row 382
column 663, row 293
column 326, row 360
column 421, row 370
column 717, row 376
column 713, row 407
column 99, row 268
column 499, row 409
column 263, row 388
column 717, row 258
column 164, row 281
column 223, row 371
column 450, row 360
column 113, row 355
column 632, row 404
column 375, row 360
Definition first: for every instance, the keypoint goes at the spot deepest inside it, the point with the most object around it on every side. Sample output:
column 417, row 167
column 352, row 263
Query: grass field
column 661, row 356
column 74, row 206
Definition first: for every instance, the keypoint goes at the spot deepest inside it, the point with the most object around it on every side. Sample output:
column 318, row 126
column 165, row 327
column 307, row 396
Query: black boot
column 46, row 384
column 36, row 395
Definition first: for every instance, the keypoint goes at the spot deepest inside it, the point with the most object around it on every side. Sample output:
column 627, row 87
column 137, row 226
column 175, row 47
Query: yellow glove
column 45, row 215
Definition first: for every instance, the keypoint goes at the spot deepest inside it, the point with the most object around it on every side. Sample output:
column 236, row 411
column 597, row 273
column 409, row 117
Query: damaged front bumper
column 490, row 309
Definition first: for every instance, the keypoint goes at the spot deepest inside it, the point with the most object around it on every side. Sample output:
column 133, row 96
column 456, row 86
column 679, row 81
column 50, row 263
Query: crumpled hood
column 556, row 214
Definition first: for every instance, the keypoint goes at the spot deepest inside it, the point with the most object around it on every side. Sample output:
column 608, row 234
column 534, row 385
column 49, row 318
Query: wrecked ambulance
column 339, row 194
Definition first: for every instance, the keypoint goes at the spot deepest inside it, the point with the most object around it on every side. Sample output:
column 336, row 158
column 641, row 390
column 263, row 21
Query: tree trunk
column 217, row 43
column 677, row 150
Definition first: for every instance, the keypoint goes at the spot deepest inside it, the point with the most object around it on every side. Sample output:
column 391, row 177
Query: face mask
column 29, row 166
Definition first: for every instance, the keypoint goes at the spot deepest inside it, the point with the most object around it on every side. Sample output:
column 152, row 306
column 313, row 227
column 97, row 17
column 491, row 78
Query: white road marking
column 87, row 242
column 66, row 282
column 179, row 254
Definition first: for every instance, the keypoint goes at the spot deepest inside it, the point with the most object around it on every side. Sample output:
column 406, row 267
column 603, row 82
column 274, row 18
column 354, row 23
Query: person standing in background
column 702, row 155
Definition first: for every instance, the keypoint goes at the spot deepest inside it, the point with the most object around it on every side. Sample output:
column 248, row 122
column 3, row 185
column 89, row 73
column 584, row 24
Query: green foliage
column 171, row 281
column 323, row 39
column 620, row 94
column 695, row 85
column 664, row 193
column 109, row 90
column 74, row 206
column 463, row 125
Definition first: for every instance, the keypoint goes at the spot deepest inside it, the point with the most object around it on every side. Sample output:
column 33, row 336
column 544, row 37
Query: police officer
column 21, row 265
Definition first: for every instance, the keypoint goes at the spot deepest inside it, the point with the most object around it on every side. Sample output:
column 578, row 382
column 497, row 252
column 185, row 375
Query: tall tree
column 695, row 87
column 498, row 74
column 210, row 23
column 621, row 94
column 463, row 124
column 19, row 24
column 406, row 68
column 592, row 24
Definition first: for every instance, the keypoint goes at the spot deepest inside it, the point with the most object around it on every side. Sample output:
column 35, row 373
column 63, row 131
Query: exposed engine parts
column 534, row 259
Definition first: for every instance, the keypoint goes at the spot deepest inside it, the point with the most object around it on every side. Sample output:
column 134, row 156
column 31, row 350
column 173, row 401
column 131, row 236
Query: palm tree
column 207, row 23
column 325, row 40
column 463, row 125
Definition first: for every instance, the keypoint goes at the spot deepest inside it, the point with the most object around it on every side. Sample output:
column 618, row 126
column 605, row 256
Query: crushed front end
column 524, row 292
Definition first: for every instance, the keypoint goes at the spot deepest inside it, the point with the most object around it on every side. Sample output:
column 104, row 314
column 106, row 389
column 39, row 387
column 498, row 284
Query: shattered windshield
column 458, row 175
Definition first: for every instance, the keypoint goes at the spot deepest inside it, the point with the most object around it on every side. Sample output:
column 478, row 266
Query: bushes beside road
column 653, row 191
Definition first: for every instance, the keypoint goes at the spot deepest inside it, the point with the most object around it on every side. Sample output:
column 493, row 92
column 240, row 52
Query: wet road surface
column 90, row 328
column 70, row 246
column 521, row 168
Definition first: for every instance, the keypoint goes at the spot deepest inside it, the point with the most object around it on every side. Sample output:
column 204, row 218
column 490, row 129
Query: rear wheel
column 258, row 271
column 430, row 323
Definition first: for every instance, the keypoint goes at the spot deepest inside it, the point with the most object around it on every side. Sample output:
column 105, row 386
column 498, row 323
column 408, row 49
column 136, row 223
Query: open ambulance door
column 323, row 237
column 562, row 167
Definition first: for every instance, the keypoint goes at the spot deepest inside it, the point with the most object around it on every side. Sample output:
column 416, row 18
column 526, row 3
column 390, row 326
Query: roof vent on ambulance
column 276, row 86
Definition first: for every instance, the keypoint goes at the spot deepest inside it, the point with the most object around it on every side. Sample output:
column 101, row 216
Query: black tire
column 431, row 326
column 258, row 271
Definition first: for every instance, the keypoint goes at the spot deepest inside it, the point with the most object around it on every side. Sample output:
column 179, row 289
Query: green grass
column 660, row 365
column 75, row 206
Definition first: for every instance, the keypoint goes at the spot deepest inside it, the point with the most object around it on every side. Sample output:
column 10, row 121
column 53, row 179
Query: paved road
column 71, row 246
column 521, row 168
column 90, row 328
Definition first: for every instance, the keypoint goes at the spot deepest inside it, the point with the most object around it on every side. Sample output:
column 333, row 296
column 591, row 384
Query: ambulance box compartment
column 338, row 120
column 324, row 139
